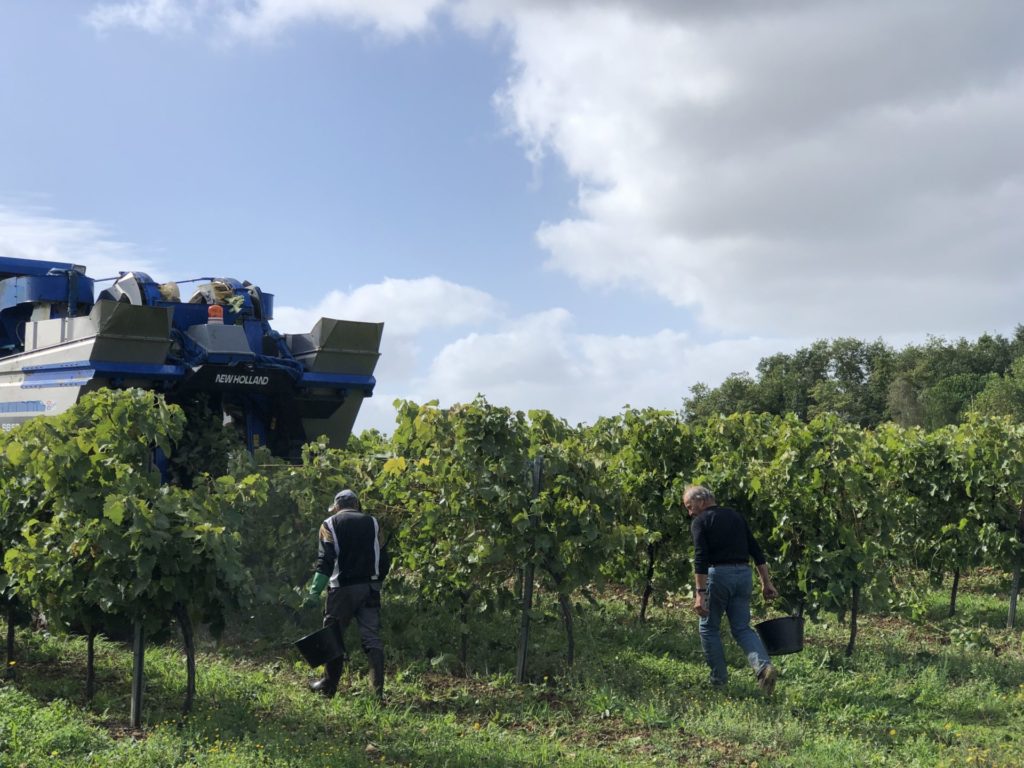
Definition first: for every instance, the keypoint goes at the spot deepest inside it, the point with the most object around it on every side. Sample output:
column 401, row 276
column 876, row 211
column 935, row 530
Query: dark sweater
column 349, row 549
column 720, row 536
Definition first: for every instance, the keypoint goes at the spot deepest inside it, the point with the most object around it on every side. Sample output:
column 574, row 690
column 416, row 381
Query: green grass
column 928, row 692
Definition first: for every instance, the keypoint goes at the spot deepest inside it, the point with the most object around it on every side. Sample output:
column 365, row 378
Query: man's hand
column 311, row 596
column 767, row 588
column 700, row 604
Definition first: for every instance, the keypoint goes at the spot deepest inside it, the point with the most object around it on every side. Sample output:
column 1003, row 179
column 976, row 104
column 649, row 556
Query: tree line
column 928, row 385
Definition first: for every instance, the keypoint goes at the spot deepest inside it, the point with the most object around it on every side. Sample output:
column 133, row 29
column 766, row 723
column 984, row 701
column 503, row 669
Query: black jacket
column 720, row 536
column 350, row 550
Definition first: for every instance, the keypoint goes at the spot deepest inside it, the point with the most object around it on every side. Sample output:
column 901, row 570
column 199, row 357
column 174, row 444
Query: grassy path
column 932, row 692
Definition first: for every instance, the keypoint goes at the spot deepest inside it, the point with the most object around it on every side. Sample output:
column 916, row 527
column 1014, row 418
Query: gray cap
column 346, row 499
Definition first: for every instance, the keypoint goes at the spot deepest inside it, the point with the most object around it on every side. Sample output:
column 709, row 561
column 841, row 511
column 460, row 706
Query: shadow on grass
column 255, row 705
column 632, row 680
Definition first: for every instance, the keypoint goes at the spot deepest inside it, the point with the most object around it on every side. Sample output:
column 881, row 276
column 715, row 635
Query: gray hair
column 698, row 493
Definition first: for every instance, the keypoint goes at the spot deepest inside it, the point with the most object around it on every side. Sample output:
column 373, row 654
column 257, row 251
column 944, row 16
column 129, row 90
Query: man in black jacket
column 723, row 546
column 353, row 561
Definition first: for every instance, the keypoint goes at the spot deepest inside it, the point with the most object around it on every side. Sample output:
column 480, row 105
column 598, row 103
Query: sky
column 572, row 205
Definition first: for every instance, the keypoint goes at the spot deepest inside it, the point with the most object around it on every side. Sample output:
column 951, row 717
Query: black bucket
column 322, row 646
column 782, row 636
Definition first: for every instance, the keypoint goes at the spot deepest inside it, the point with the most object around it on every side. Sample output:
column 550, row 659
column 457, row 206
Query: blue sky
column 565, row 205
column 330, row 145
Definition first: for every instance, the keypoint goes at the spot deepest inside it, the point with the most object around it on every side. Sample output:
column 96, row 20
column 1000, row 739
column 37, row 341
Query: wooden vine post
column 537, row 468
column 138, row 674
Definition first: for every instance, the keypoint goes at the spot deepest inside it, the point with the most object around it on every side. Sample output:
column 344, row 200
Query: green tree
column 833, row 520
column 936, row 383
column 15, row 507
column 656, row 453
column 987, row 457
column 571, row 527
column 458, row 481
column 950, row 398
column 279, row 544
column 105, row 539
column 739, row 393
column 938, row 533
column 734, row 453
column 1003, row 395
column 857, row 380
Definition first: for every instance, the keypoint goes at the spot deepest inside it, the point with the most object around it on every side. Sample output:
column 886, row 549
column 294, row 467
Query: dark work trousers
column 359, row 601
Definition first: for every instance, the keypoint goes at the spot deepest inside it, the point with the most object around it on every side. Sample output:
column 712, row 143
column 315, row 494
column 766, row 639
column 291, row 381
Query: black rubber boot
column 328, row 684
column 376, row 657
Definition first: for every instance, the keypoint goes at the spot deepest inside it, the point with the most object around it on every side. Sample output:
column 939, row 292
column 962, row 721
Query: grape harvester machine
column 60, row 340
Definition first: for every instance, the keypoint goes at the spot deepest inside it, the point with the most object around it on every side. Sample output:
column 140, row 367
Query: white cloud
column 410, row 306
column 35, row 233
column 153, row 16
column 410, row 310
column 844, row 167
column 848, row 167
column 795, row 169
column 263, row 19
column 541, row 361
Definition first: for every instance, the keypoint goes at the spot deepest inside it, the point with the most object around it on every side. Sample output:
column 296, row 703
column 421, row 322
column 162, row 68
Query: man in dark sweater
column 353, row 561
column 723, row 546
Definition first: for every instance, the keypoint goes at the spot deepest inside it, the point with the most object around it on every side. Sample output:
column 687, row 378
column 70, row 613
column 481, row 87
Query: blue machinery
column 59, row 340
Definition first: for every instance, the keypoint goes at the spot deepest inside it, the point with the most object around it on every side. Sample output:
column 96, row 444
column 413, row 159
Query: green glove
column 311, row 596
column 316, row 586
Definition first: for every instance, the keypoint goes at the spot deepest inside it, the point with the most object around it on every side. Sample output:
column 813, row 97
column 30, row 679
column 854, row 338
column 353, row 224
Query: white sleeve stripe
column 337, row 552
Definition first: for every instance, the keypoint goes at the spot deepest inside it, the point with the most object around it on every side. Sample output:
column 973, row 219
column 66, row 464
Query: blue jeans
column 729, row 590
